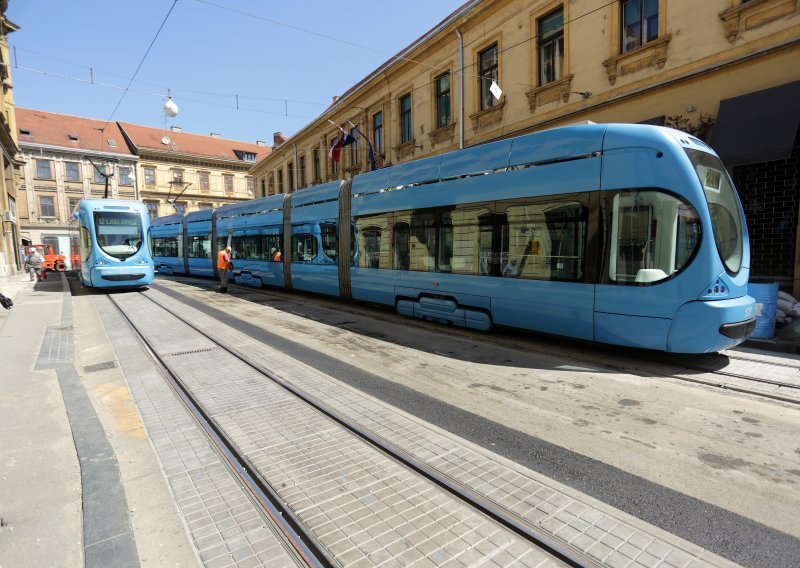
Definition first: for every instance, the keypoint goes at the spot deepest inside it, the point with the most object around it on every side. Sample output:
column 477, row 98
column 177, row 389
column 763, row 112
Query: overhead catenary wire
column 237, row 97
column 144, row 57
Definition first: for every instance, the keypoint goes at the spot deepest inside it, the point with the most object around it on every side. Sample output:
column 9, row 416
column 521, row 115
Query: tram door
column 652, row 235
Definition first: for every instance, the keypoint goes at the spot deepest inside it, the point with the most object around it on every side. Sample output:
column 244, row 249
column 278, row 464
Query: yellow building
column 180, row 171
column 67, row 158
column 727, row 71
column 10, row 258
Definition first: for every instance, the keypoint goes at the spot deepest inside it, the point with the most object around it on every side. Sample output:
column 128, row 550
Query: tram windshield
column 723, row 204
column 118, row 233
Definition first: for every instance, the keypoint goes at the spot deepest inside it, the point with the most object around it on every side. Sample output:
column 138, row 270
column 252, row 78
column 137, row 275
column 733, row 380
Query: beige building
column 10, row 258
column 179, row 171
column 66, row 158
column 727, row 71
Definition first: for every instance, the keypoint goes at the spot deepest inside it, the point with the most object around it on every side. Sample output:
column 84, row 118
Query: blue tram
column 622, row 234
column 107, row 238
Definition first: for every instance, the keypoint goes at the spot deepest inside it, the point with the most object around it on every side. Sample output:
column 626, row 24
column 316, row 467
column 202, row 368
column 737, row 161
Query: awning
column 758, row 127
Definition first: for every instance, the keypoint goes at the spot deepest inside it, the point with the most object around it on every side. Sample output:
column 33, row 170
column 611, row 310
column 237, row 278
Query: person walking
column 34, row 264
column 224, row 264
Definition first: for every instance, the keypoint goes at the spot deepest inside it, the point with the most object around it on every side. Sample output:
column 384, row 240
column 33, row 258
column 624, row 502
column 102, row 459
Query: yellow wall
column 705, row 52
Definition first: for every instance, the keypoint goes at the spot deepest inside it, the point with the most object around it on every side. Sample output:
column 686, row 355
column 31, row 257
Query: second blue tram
column 108, row 242
column 623, row 234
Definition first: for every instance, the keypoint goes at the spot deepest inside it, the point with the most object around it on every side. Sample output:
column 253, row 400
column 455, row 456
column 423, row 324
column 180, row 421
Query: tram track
column 264, row 495
column 737, row 370
column 305, row 543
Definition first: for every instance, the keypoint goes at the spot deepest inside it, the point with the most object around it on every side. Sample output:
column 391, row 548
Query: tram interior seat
column 645, row 275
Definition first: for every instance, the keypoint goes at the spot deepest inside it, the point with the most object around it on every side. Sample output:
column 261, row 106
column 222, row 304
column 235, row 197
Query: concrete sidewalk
column 75, row 463
column 40, row 477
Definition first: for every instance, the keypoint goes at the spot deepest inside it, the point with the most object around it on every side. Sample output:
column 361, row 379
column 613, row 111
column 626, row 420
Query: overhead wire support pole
column 102, row 173
column 182, row 191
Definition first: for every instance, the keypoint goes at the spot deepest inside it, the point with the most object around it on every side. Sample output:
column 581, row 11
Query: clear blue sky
column 208, row 52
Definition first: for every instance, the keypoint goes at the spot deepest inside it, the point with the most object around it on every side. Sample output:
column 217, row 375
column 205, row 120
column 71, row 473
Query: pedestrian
column 34, row 263
column 275, row 255
column 224, row 264
column 511, row 270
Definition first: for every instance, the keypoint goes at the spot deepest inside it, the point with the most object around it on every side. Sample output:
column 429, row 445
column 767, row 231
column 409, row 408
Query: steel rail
column 589, row 358
column 311, row 552
column 551, row 544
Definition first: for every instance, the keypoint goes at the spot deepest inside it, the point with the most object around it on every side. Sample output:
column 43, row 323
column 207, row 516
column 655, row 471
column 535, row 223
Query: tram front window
column 654, row 235
column 723, row 205
column 118, row 233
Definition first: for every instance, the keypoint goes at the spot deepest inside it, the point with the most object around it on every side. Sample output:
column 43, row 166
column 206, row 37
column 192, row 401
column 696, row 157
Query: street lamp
column 102, row 173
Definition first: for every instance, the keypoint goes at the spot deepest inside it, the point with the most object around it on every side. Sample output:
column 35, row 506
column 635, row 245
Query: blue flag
column 373, row 165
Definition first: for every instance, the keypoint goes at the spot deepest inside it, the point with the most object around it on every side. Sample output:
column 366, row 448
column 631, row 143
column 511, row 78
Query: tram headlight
column 101, row 262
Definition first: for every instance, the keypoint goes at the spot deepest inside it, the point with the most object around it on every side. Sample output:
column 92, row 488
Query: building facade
column 179, row 171
column 10, row 257
column 67, row 158
column 499, row 68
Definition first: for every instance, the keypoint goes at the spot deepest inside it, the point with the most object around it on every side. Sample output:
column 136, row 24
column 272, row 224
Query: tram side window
column 86, row 243
column 250, row 247
column 373, row 241
column 272, row 245
column 199, row 246
column 401, row 245
column 165, row 246
column 304, row 247
column 329, row 241
column 653, row 235
column 422, row 239
column 222, row 242
column 546, row 240
column 462, row 249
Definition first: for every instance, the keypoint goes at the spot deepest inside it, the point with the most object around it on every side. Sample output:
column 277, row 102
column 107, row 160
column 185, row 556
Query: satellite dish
column 170, row 108
column 165, row 140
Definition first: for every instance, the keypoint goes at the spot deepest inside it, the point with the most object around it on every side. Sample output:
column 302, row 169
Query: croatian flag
column 336, row 150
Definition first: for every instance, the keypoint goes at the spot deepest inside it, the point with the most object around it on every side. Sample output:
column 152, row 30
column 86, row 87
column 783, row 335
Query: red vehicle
column 52, row 261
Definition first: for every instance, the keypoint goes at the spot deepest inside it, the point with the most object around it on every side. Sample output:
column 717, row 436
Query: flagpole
column 373, row 165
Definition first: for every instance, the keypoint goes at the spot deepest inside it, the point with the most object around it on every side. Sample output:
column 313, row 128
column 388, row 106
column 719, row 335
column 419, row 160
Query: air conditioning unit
column 9, row 216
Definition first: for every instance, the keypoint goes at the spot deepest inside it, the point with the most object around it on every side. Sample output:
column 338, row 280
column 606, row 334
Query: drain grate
column 191, row 351
column 99, row 367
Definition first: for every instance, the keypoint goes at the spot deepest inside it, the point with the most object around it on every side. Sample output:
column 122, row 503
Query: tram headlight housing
column 101, row 262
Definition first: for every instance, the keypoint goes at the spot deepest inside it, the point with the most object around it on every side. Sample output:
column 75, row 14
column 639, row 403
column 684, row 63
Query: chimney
column 176, row 129
column 214, row 135
column 278, row 138
column 261, row 143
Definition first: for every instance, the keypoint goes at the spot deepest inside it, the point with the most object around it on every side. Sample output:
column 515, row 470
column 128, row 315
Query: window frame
column 377, row 132
column 125, row 179
column 485, row 97
column 631, row 43
column 405, row 123
column 44, row 166
column 77, row 172
column 555, row 71
column 443, row 98
column 149, row 176
column 42, row 208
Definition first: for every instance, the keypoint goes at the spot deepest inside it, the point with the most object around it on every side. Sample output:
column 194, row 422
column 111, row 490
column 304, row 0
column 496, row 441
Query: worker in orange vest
column 224, row 264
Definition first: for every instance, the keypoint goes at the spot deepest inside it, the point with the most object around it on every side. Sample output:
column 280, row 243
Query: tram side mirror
column 75, row 215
